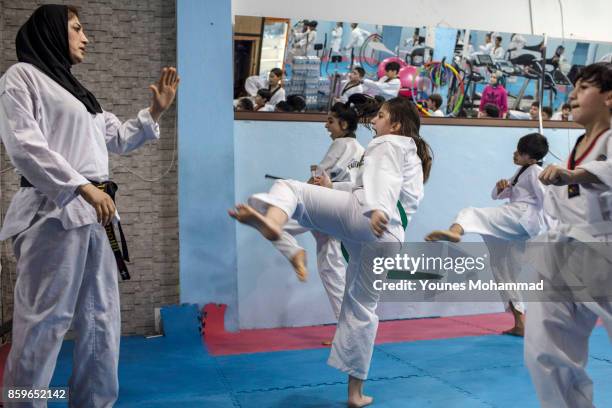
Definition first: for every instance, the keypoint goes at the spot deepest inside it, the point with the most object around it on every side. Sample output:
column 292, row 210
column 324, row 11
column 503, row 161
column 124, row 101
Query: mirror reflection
column 289, row 65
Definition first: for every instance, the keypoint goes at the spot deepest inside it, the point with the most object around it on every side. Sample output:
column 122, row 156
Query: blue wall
column 206, row 155
column 467, row 163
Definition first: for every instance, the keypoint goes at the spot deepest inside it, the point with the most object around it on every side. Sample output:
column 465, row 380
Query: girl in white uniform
column 580, row 197
column 518, row 220
column 396, row 163
column 389, row 85
column 341, row 163
column 58, row 138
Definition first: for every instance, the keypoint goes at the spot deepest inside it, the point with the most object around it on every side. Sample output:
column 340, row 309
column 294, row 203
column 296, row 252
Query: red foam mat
column 220, row 342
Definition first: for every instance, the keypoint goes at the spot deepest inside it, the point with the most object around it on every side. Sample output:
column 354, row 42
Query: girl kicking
column 518, row 220
column 341, row 163
column 395, row 165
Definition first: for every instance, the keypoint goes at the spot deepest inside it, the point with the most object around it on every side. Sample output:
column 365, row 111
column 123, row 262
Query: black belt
column 121, row 254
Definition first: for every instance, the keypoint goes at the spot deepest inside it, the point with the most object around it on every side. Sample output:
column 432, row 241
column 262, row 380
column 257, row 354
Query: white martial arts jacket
column 391, row 171
column 255, row 83
column 336, row 39
column 358, row 37
column 529, row 190
column 342, row 159
column 594, row 203
column 384, row 88
column 348, row 90
column 56, row 144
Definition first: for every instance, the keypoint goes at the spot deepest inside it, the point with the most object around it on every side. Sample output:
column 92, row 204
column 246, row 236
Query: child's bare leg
column 299, row 265
column 519, row 323
column 356, row 398
column 453, row 234
column 269, row 225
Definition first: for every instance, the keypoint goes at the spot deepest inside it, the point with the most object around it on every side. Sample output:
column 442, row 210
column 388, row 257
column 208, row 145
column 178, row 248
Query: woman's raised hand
column 164, row 92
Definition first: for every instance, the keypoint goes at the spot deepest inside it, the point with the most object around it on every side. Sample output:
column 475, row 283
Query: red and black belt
column 121, row 253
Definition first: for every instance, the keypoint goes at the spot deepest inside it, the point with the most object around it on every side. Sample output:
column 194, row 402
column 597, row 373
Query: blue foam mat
column 471, row 372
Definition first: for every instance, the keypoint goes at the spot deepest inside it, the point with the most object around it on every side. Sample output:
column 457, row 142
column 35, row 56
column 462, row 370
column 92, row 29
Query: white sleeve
column 30, row 153
column 122, row 138
column 277, row 97
column 343, row 185
column 506, row 193
column 537, row 186
column 382, row 178
column 387, row 89
column 330, row 160
column 353, row 40
column 253, row 84
column 601, row 168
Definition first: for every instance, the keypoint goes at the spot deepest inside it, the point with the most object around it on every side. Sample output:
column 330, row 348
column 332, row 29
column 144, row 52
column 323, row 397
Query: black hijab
column 43, row 42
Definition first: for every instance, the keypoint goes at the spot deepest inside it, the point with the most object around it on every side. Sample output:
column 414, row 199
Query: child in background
column 245, row 105
column 389, row 85
column 352, row 85
column 433, row 105
column 496, row 94
column 261, row 101
column 564, row 114
column 273, row 84
column 497, row 52
column 518, row 220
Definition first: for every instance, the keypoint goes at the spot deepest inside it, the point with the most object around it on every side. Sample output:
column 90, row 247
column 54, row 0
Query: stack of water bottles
column 305, row 80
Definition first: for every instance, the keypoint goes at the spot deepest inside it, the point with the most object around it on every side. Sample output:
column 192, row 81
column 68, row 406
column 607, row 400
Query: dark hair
column 72, row 11
column 436, row 99
column 533, row 144
column 491, row 110
column 265, row 94
column 313, row 24
column 403, row 111
column 246, row 104
column 345, row 113
column 548, row 111
column 392, row 66
column 598, row 74
column 498, row 38
column 277, row 71
column 297, row 102
column 566, row 106
column 365, row 106
column 282, row 106
column 535, row 104
column 360, row 71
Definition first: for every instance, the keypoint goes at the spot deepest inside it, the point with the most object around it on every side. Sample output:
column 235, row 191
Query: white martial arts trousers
column 557, row 333
column 64, row 278
column 499, row 225
column 340, row 214
column 330, row 262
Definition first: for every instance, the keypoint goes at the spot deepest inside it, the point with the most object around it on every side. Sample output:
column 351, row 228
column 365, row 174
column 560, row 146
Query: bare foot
column 443, row 235
column 356, row 398
column 515, row 331
column 299, row 265
column 246, row 214
column 326, row 342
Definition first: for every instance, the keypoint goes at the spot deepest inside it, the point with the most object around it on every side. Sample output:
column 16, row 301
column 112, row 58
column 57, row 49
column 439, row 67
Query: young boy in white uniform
column 557, row 333
column 518, row 220
column 389, row 85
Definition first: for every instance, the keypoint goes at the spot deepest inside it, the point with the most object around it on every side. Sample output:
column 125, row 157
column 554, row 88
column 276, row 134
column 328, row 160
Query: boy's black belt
column 121, row 254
